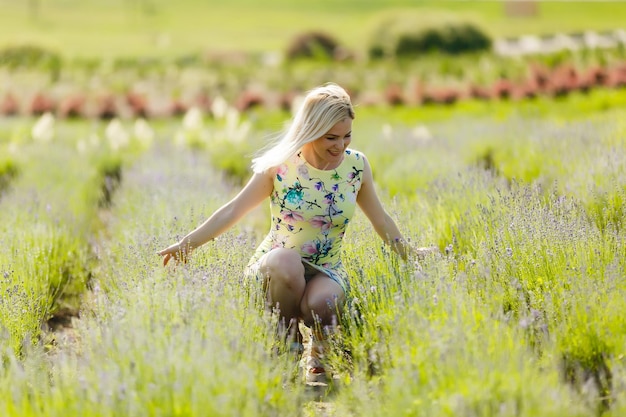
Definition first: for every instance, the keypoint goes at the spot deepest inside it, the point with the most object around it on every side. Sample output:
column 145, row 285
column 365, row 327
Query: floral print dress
column 311, row 209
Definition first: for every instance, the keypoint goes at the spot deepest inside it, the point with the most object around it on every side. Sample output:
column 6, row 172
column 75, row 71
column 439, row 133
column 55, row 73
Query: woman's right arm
column 258, row 188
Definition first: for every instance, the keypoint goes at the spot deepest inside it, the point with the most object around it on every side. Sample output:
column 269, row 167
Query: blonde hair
column 321, row 109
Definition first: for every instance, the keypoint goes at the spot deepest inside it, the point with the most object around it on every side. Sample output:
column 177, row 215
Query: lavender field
column 125, row 124
column 520, row 314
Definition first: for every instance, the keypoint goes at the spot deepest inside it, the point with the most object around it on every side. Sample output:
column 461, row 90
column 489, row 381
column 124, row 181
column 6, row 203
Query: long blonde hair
column 321, row 109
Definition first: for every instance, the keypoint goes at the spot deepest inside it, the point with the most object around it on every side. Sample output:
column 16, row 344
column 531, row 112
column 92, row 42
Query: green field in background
column 172, row 28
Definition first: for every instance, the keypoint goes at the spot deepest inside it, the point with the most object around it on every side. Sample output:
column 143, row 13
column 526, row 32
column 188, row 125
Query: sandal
column 315, row 370
column 315, row 366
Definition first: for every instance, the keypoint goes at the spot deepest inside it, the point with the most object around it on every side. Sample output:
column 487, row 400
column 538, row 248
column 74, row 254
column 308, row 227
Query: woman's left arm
column 383, row 224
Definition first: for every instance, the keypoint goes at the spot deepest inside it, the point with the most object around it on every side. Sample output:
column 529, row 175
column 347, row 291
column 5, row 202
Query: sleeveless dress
column 310, row 211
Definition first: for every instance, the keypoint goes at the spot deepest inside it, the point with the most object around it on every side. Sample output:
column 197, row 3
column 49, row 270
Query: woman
column 314, row 181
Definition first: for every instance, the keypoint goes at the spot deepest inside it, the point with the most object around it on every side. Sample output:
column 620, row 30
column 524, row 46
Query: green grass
column 172, row 29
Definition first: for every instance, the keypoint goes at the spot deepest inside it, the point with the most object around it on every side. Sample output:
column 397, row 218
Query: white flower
column 272, row 59
column 43, row 130
column 232, row 120
column 235, row 130
column 192, row 121
column 116, row 135
column 90, row 142
column 421, row 134
column 219, row 107
column 180, row 139
column 143, row 132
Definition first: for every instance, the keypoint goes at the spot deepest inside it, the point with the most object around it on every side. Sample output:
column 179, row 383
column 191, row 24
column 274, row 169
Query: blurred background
column 160, row 28
column 77, row 58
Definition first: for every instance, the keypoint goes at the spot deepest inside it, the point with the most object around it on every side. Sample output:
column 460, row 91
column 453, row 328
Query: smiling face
column 327, row 151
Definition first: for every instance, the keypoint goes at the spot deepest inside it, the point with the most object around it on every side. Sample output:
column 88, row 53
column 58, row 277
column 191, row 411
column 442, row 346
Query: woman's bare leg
column 285, row 285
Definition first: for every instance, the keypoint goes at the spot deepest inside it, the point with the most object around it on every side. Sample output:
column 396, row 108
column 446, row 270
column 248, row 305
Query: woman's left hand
column 180, row 253
column 423, row 252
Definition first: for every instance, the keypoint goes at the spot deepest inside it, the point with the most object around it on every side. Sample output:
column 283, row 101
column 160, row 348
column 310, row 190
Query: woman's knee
column 322, row 302
column 283, row 265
